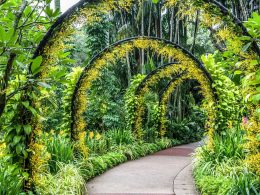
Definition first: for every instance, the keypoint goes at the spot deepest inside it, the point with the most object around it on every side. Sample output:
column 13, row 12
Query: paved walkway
column 166, row 172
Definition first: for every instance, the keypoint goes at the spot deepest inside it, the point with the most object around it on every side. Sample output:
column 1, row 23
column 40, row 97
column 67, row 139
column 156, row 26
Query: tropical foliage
column 77, row 97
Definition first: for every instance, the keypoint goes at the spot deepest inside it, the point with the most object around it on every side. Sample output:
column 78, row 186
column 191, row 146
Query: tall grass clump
column 120, row 136
column 61, row 150
column 68, row 180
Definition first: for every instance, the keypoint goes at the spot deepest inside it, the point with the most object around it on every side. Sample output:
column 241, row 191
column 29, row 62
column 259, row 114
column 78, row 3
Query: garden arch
column 164, row 98
column 183, row 73
column 117, row 51
column 86, row 11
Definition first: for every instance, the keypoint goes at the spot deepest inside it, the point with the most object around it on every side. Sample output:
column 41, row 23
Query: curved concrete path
column 164, row 173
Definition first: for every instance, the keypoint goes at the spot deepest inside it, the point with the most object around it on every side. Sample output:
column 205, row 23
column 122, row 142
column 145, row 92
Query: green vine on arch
column 87, row 12
column 164, row 100
column 130, row 100
column 191, row 72
column 53, row 43
column 118, row 51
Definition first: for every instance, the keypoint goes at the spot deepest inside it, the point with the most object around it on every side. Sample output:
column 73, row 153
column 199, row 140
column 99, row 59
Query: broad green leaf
column 258, row 75
column 49, row 12
column 2, row 34
column 18, row 149
column 25, row 154
column 18, row 128
column 256, row 98
column 253, row 62
column 36, row 64
column 26, row 104
column 16, row 139
column 9, row 34
column 26, row 175
column 27, row 129
column 238, row 72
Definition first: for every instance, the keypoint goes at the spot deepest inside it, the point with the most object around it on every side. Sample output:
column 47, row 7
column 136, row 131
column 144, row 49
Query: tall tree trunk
column 129, row 76
column 171, row 29
column 150, row 19
column 177, row 31
column 4, row 82
column 244, row 15
column 10, row 62
column 160, row 25
column 195, row 33
column 142, row 33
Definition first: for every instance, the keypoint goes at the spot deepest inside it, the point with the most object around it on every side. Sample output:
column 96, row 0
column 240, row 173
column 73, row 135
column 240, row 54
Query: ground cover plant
column 78, row 96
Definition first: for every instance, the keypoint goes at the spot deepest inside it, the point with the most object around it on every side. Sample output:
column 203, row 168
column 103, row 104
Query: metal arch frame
column 109, row 48
column 83, row 3
column 167, row 88
column 150, row 75
column 174, row 77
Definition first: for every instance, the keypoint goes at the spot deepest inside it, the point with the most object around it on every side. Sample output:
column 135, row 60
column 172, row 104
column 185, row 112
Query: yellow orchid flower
column 91, row 134
column 98, row 136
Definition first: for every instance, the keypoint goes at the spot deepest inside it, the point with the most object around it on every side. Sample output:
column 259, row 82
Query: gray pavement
column 163, row 173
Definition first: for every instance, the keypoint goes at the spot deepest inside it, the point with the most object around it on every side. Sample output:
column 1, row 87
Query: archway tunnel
column 121, row 79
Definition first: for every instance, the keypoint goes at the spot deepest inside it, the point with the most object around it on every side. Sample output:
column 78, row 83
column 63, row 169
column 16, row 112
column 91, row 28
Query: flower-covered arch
column 165, row 96
column 177, row 73
column 86, row 11
column 186, row 62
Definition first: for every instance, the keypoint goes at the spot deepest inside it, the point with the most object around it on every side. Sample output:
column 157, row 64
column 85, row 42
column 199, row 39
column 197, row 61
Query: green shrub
column 189, row 129
column 96, row 165
column 61, row 150
column 130, row 100
column 227, row 145
column 210, row 185
column 220, row 169
column 120, row 136
column 97, row 144
column 11, row 177
column 245, row 183
column 66, row 181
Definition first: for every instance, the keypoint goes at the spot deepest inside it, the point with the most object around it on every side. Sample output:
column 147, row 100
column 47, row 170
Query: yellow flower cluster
column 92, row 135
column 80, row 145
column 252, row 145
column 253, row 161
column 2, row 149
column 224, row 34
column 39, row 161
